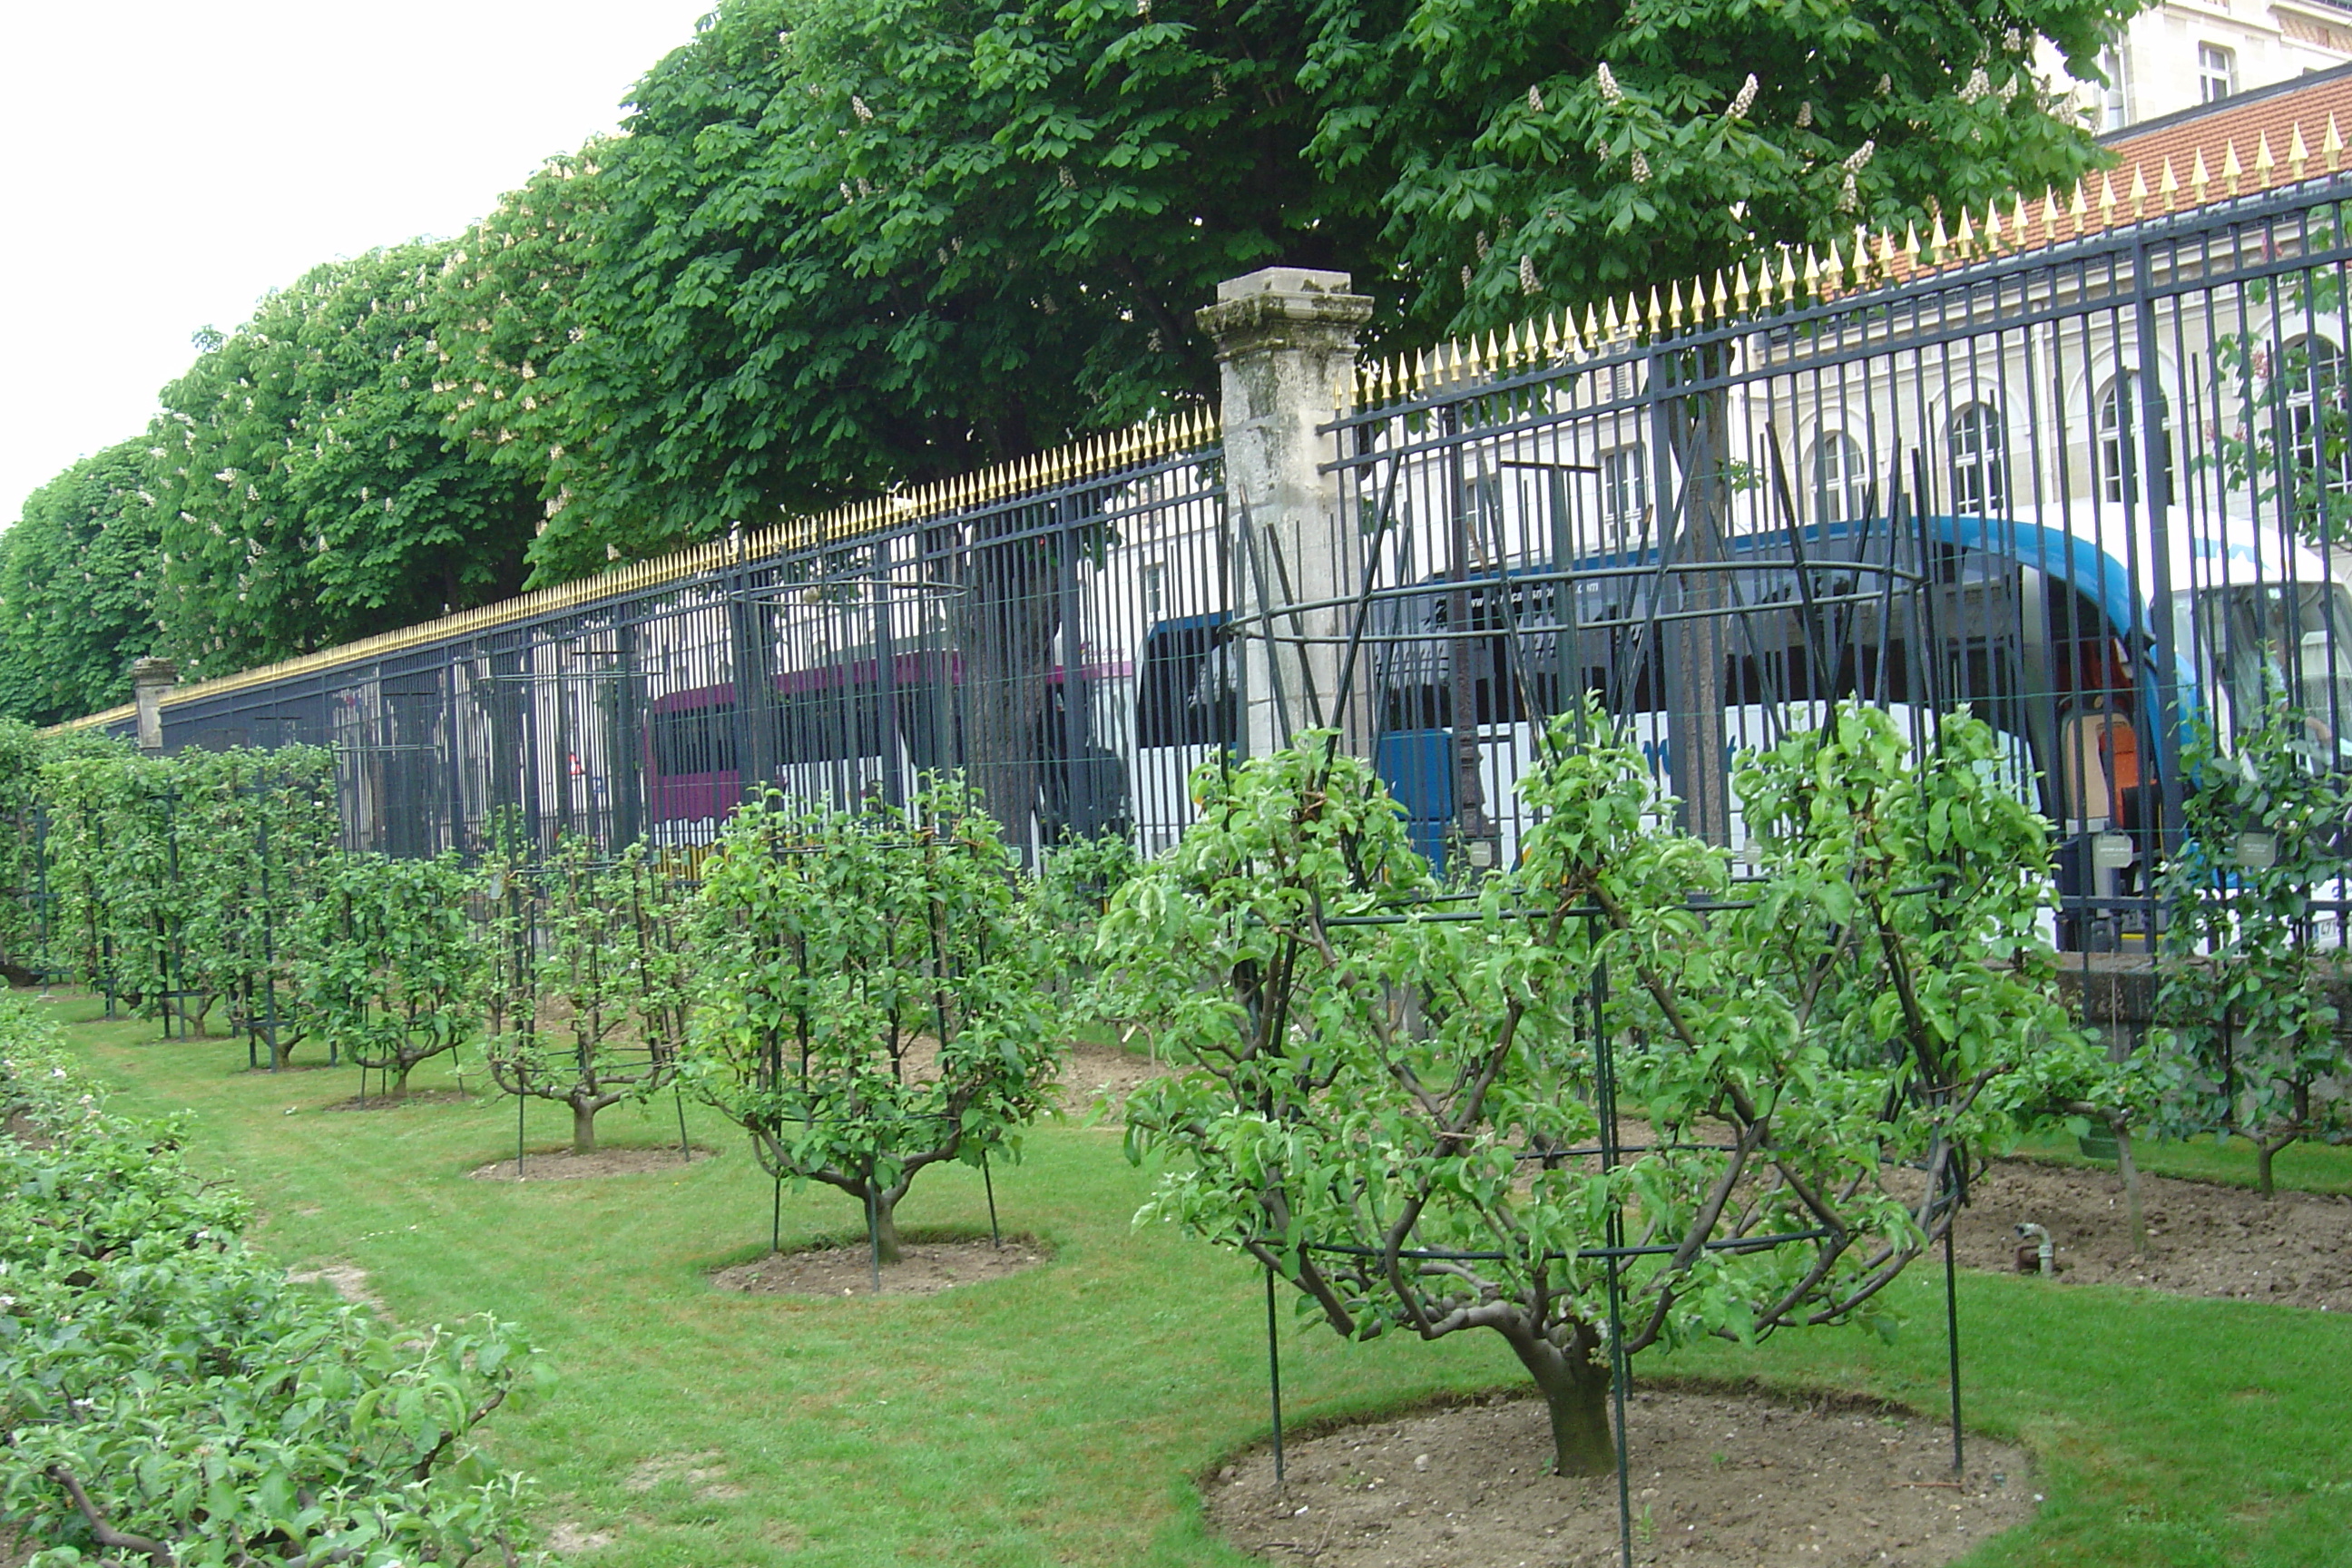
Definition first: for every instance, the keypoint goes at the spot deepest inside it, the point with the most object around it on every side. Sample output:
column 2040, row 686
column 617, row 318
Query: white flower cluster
column 1859, row 159
column 1535, row 99
column 857, row 107
column 1744, row 101
column 1641, row 169
column 1805, row 115
column 1976, row 87
column 1610, row 91
column 1527, row 282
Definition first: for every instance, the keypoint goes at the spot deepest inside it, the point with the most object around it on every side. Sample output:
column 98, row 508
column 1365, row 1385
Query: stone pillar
column 1286, row 340
column 151, row 679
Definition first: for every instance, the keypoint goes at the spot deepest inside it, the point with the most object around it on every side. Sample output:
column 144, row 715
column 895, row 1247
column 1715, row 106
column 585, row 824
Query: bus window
column 2266, row 642
column 1185, row 694
column 693, row 741
column 829, row 724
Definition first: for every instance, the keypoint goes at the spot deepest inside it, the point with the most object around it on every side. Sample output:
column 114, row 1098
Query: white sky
column 168, row 164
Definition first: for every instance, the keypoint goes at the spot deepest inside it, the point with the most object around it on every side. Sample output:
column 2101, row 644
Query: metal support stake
column 1274, row 1373
column 873, row 1235
column 1952, row 1314
column 776, row 1219
column 685, row 1149
column 1604, row 1064
column 995, row 1236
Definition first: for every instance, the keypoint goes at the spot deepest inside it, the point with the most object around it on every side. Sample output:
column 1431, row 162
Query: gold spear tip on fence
column 2331, row 147
column 2139, row 190
column 2298, row 152
column 2232, row 171
column 2264, row 163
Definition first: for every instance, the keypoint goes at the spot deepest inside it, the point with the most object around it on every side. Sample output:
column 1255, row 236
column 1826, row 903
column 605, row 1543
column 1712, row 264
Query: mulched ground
column 560, row 1164
column 395, row 1102
column 2204, row 1238
column 926, row 1269
column 1103, row 1076
column 1718, row 1479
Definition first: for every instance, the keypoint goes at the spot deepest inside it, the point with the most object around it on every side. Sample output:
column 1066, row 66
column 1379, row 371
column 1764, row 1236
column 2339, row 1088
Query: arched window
column 1841, row 479
column 2310, row 378
column 2119, row 430
column 1979, row 466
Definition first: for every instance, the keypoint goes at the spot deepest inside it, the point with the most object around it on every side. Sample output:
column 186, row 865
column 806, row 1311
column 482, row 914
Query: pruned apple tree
column 869, row 994
column 586, row 999
column 389, row 964
column 1402, row 1102
column 2248, row 1039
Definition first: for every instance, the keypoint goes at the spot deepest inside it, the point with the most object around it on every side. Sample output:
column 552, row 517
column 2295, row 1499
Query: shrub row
column 167, row 1393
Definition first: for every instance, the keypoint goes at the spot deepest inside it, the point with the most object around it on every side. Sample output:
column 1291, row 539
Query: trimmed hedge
column 169, row 1397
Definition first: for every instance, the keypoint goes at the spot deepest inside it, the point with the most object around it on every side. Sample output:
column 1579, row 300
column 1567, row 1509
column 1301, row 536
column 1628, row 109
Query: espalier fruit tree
column 390, row 965
column 2248, row 1038
column 587, row 989
column 1398, row 1104
column 870, row 998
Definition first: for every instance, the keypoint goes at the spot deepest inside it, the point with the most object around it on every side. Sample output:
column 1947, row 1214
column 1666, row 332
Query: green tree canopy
column 310, row 492
column 843, row 246
column 77, row 578
column 1535, row 155
column 846, row 246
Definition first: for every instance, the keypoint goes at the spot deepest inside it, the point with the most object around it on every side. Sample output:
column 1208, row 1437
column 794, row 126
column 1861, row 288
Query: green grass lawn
column 1059, row 1416
column 2314, row 1167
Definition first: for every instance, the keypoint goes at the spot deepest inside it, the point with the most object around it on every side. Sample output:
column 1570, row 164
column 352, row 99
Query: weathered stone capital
column 153, row 671
column 1285, row 308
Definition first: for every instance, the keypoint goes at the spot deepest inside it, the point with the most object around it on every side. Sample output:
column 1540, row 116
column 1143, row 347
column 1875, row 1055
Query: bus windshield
column 2261, row 642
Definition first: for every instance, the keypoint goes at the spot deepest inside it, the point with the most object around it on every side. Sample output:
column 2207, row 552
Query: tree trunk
column 2128, row 1169
column 2265, row 1150
column 583, row 1127
column 1695, row 648
column 1576, row 1389
column 885, row 1228
column 1013, row 615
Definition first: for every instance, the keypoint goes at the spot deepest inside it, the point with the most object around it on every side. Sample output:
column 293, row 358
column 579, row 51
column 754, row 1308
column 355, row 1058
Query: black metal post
column 1952, row 1321
column 1274, row 1373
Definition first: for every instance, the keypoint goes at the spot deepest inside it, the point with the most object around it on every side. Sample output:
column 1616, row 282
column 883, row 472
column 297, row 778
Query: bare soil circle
column 560, row 1164
column 2204, row 1238
column 400, row 1101
column 924, row 1268
column 1104, row 1075
column 1716, row 1479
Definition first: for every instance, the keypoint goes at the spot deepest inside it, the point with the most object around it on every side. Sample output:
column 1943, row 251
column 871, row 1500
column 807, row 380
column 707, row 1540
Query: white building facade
column 2182, row 53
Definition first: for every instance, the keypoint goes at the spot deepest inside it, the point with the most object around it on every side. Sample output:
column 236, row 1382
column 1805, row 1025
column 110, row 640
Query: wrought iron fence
column 2098, row 490
column 1053, row 629
column 2091, row 478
